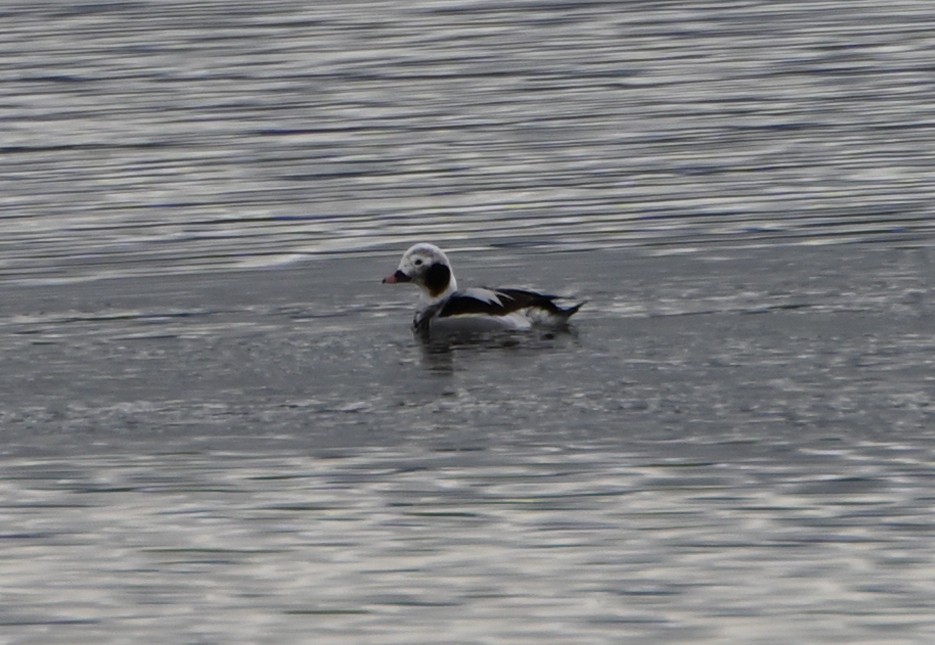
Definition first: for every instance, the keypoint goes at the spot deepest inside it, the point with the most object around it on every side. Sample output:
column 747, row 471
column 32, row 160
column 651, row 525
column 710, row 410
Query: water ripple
column 193, row 139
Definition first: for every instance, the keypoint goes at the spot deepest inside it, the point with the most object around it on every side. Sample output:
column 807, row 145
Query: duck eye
column 418, row 263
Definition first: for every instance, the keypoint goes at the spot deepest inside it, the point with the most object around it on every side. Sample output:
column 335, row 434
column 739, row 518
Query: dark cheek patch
column 437, row 278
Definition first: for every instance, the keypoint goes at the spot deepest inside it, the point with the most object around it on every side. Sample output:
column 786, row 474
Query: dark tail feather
column 568, row 312
column 559, row 315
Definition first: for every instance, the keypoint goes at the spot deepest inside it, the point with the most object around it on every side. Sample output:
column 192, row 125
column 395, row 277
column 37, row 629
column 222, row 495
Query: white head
column 427, row 266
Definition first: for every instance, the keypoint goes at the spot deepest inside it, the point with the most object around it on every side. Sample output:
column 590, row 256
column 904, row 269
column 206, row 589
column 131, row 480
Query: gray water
column 215, row 426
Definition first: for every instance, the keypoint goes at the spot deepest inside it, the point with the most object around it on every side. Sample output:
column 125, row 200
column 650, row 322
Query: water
column 215, row 426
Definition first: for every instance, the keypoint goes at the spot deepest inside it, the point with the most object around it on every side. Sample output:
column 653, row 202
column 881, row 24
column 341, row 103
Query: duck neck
column 439, row 283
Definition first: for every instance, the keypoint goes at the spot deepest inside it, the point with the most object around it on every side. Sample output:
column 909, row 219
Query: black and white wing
column 495, row 303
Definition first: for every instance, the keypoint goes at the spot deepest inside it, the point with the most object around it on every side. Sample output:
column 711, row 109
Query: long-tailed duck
column 443, row 308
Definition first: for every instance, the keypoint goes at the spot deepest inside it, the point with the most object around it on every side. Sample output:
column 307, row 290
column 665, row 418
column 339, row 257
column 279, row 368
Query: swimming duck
column 445, row 308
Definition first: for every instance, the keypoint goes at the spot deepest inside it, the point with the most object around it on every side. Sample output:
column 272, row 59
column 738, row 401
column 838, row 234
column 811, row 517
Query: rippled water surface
column 215, row 426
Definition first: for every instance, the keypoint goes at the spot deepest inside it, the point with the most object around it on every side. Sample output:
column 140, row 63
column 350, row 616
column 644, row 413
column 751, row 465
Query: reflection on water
column 727, row 446
column 218, row 135
column 216, row 427
column 399, row 545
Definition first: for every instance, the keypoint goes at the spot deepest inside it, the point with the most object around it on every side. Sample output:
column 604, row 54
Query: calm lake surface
column 215, row 426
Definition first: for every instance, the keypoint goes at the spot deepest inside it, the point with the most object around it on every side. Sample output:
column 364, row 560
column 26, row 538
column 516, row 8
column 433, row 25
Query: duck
column 443, row 308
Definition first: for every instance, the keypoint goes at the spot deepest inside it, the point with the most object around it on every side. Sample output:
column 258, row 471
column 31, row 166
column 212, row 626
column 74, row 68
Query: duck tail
column 568, row 312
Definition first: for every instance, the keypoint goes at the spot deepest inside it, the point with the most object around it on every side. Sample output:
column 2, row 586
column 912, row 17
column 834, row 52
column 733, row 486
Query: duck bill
column 396, row 278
